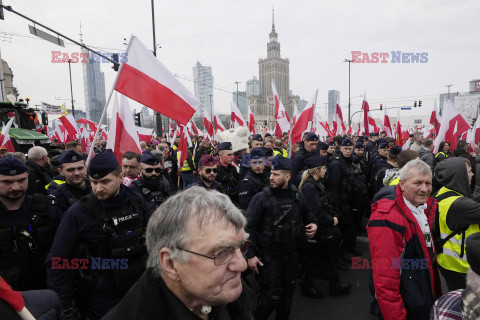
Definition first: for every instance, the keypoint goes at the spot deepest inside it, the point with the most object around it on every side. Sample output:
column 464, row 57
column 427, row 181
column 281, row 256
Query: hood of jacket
column 452, row 174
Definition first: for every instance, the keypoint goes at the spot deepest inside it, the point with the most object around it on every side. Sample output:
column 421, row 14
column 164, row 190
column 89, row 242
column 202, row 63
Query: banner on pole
column 51, row 109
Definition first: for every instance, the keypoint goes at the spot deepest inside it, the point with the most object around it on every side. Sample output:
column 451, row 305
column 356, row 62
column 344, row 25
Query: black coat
column 150, row 299
column 38, row 178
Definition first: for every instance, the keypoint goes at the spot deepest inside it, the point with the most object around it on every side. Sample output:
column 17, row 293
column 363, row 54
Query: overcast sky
column 231, row 36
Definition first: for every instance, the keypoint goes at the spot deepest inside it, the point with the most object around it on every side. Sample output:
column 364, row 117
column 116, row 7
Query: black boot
column 340, row 288
column 311, row 292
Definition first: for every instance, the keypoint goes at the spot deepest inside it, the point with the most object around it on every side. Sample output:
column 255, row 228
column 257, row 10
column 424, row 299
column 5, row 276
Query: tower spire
column 81, row 34
column 273, row 17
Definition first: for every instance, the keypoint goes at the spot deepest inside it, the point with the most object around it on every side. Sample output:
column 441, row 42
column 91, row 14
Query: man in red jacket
column 404, row 265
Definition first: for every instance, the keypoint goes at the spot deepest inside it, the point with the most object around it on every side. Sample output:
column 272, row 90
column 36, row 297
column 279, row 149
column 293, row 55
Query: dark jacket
column 298, row 163
column 38, row 177
column 427, row 156
column 317, row 197
column 150, row 299
column 249, row 186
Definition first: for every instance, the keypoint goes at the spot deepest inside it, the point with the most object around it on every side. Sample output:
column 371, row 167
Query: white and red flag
column 368, row 120
column 304, row 119
column 386, row 125
column 123, row 133
column 146, row 80
column 185, row 143
column 283, row 121
column 69, row 124
column 338, row 120
column 251, row 122
column 5, row 136
column 91, row 126
column 145, row 134
column 295, row 114
column 398, row 134
column 453, row 125
column 473, row 136
column 435, row 118
column 208, row 123
column 218, row 123
column 85, row 139
column 236, row 118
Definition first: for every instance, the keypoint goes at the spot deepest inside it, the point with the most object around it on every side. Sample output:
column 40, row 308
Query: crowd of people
column 146, row 237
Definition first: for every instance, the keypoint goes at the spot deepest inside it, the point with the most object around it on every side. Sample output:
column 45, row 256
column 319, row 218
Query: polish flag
column 368, row 121
column 386, row 125
column 474, row 134
column 399, row 140
column 218, row 123
column 349, row 131
column 236, row 118
column 435, row 118
column 59, row 131
column 207, row 123
column 145, row 134
column 295, row 114
column 338, row 118
column 5, row 136
column 146, row 80
column 123, row 134
column 251, row 122
column 283, row 121
column 85, row 139
column 453, row 125
column 69, row 124
column 185, row 143
column 92, row 126
column 304, row 119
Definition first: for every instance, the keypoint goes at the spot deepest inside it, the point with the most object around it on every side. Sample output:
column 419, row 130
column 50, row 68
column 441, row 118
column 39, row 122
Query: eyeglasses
column 225, row 255
column 150, row 170
column 211, row 170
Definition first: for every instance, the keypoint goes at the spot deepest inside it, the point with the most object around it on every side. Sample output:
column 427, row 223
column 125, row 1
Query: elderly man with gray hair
column 404, row 267
column 38, row 173
column 195, row 242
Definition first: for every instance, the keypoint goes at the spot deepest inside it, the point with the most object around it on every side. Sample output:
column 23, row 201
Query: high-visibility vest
column 283, row 152
column 59, row 182
column 185, row 166
column 394, row 182
column 453, row 256
column 444, row 154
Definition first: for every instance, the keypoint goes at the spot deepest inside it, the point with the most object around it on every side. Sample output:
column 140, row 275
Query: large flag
column 236, row 118
column 304, row 119
column 453, row 125
column 146, row 80
column 69, row 124
column 251, row 122
column 338, row 120
column 368, row 121
column 295, row 114
column 5, row 137
column 123, row 133
column 435, row 118
column 145, row 134
column 92, row 126
column 386, row 125
column 283, row 121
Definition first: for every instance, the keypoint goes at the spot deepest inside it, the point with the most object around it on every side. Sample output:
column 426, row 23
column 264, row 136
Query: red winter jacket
column 390, row 228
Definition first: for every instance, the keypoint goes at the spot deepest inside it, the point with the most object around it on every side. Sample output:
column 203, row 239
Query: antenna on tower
column 81, row 34
column 273, row 16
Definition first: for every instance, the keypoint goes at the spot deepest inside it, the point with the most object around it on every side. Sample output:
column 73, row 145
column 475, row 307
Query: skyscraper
column 253, row 87
column 94, row 88
column 276, row 68
column 333, row 96
column 203, row 87
column 241, row 101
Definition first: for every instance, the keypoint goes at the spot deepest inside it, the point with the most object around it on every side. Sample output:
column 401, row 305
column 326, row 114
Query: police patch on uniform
column 13, row 172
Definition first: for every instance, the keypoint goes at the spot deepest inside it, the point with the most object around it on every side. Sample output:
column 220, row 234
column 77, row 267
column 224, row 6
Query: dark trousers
column 43, row 304
column 454, row 280
column 277, row 284
column 317, row 253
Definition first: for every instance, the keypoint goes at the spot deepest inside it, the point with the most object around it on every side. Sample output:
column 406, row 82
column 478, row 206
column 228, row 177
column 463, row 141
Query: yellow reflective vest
column 453, row 255
column 283, row 153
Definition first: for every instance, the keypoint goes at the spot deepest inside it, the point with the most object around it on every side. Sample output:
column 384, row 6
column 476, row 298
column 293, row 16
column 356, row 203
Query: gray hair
column 19, row 155
column 473, row 281
column 167, row 226
column 37, row 153
column 414, row 164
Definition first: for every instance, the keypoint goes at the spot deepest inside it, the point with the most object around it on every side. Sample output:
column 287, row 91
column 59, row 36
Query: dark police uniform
column 252, row 183
column 26, row 235
column 228, row 176
column 110, row 234
column 276, row 220
column 299, row 157
column 154, row 192
column 207, row 161
column 65, row 194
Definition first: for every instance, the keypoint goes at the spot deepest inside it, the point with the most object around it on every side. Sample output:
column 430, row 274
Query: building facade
column 203, row 87
column 252, row 87
column 94, row 88
column 275, row 68
column 241, row 101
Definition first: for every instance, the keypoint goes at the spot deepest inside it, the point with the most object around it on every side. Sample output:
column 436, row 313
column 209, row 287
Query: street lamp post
column 236, row 82
column 158, row 116
column 211, row 115
column 71, row 87
column 349, row 105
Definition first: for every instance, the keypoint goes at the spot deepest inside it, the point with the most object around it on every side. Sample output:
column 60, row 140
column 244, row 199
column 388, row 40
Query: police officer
column 257, row 141
column 322, row 246
column 332, row 148
column 342, row 187
column 106, row 228
column 27, row 228
column 254, row 180
column 227, row 174
column 207, row 173
column 305, row 151
column 277, row 219
column 371, row 146
column 387, row 170
column 72, row 168
column 322, row 148
column 153, row 185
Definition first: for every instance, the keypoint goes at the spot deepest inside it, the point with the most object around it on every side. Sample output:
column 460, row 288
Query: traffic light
column 415, row 104
column 116, row 64
column 381, row 106
column 138, row 122
column 419, row 103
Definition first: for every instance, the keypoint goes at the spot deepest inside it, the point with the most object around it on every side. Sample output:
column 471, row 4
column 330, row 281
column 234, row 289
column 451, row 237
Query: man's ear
column 167, row 264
